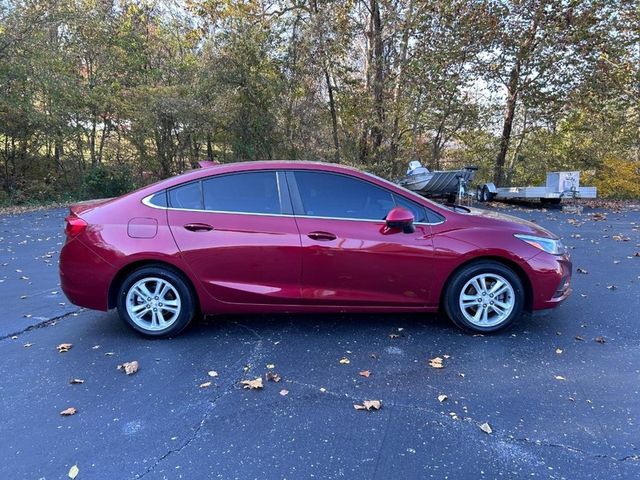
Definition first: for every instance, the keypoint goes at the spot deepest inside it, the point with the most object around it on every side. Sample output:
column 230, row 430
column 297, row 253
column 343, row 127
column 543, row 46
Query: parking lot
column 560, row 393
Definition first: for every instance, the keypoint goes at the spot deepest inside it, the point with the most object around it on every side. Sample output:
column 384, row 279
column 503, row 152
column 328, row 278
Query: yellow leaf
column 559, row 377
column 205, row 385
column 345, row 361
column 73, row 472
column 76, row 381
column 436, row 362
column 369, row 405
column 212, row 373
column 364, row 373
column 486, row 428
column 442, row 398
column 284, row 392
column 68, row 412
column 252, row 384
column 64, row 347
column 129, row 367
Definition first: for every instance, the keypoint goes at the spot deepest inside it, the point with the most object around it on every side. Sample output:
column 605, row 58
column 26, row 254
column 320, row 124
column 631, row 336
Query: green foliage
column 99, row 96
column 102, row 181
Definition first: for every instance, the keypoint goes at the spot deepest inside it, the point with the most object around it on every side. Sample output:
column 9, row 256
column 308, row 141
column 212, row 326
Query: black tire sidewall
column 460, row 278
column 187, row 300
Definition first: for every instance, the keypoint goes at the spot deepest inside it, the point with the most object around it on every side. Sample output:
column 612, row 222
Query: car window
column 186, row 196
column 251, row 192
column 419, row 212
column 158, row 199
column 340, row 196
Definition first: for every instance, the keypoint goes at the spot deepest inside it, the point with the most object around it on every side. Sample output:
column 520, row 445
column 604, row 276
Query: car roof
column 219, row 168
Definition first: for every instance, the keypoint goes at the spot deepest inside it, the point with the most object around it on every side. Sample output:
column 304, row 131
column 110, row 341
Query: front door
column 237, row 234
column 349, row 256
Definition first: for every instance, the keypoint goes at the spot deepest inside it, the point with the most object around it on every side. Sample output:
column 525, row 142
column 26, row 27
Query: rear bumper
column 551, row 280
column 85, row 277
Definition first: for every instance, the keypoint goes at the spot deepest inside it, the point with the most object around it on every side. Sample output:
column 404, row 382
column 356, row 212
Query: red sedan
column 279, row 236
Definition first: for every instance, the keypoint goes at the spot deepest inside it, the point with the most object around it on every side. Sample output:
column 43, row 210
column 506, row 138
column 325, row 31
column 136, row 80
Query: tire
column 510, row 301
column 170, row 316
column 485, row 195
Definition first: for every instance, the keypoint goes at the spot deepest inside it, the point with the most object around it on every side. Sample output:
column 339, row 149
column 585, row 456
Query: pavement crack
column 256, row 352
column 42, row 324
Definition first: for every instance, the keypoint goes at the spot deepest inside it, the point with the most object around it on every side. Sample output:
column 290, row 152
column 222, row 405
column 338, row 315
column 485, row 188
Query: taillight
column 75, row 226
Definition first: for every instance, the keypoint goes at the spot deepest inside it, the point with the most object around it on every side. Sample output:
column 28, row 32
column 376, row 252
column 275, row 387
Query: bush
column 105, row 181
column 616, row 178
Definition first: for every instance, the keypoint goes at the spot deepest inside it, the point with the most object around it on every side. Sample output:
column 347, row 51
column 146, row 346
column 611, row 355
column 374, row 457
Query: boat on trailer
column 421, row 180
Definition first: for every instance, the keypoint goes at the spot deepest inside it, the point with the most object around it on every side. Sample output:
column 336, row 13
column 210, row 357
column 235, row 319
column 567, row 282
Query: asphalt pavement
column 559, row 393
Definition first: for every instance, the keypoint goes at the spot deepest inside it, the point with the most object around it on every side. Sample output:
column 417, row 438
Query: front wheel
column 156, row 302
column 484, row 297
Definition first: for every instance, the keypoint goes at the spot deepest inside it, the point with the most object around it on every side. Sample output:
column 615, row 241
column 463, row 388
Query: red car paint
column 243, row 263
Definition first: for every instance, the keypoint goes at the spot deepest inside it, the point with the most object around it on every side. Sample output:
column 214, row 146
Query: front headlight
column 549, row 245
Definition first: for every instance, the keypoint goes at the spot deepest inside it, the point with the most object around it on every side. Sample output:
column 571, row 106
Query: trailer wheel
column 485, row 194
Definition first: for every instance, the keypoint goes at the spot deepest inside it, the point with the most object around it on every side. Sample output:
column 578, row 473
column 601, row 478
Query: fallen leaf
column 393, row 336
column 612, row 287
column 76, row 381
column 68, row 412
column 129, row 367
column 558, row 351
column 600, row 339
column 345, row 361
column 579, row 338
column 442, row 398
column 436, row 362
column 212, row 373
column 581, row 270
column 368, row 405
column 27, row 345
column 559, row 377
column 486, row 428
column 284, row 392
column 64, row 347
column 273, row 377
column 271, row 366
column 205, row 385
column 252, row 384
column 73, row 472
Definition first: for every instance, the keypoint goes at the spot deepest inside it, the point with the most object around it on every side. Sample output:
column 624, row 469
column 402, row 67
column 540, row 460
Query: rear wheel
column 484, row 297
column 156, row 302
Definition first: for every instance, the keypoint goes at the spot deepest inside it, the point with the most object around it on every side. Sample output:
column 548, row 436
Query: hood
column 489, row 218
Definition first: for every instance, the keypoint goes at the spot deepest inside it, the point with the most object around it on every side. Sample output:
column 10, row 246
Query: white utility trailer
column 559, row 185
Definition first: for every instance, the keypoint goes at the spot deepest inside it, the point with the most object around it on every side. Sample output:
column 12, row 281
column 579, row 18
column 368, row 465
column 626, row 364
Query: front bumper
column 550, row 279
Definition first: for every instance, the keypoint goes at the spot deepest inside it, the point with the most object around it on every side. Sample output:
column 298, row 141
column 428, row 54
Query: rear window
column 249, row 192
column 187, row 196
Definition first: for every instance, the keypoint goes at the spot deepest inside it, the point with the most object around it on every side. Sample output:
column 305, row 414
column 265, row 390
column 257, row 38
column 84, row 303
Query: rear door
column 349, row 257
column 237, row 234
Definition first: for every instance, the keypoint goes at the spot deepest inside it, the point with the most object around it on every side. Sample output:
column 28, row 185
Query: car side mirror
column 400, row 218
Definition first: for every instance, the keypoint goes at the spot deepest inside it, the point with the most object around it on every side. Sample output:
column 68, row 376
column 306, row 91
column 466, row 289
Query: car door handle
column 321, row 236
column 198, row 227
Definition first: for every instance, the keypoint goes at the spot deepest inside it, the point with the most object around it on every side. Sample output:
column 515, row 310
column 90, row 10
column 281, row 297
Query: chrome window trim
column 146, row 201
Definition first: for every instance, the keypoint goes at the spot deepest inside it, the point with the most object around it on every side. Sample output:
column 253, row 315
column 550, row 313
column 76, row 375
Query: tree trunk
column 507, row 125
column 334, row 116
column 378, row 76
column 397, row 88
